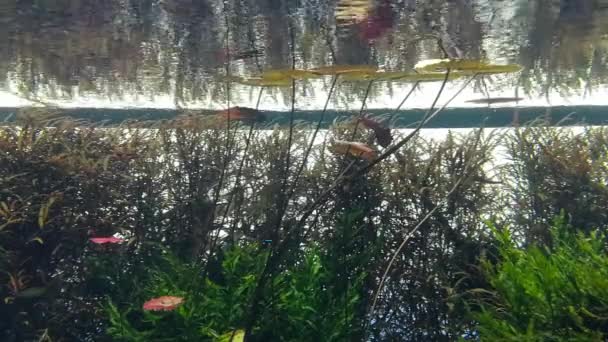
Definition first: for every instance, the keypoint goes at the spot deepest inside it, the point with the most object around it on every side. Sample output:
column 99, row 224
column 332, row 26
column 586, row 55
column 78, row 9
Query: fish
column 493, row 100
column 356, row 149
column 242, row 114
column 383, row 134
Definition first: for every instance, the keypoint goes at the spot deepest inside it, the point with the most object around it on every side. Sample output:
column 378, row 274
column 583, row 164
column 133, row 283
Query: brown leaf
column 356, row 149
column 383, row 134
column 242, row 113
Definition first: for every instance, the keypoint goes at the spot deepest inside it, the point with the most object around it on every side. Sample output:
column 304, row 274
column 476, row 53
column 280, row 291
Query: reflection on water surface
column 179, row 52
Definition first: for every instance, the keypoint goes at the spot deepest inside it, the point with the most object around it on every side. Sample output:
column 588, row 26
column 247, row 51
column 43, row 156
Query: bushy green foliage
column 546, row 293
column 554, row 169
column 301, row 304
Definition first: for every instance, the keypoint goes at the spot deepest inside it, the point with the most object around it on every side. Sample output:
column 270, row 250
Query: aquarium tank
column 303, row 170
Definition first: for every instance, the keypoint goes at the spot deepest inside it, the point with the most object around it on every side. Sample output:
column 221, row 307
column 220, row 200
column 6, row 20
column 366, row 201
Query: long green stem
column 314, row 136
column 238, row 175
column 229, row 143
column 420, row 223
column 354, row 134
column 404, row 100
column 310, row 209
column 427, row 117
column 282, row 207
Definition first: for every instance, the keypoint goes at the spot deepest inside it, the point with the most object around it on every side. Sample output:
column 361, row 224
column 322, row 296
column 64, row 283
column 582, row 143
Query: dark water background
column 171, row 53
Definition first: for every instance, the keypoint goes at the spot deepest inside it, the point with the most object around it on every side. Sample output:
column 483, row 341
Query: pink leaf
column 103, row 240
column 164, row 303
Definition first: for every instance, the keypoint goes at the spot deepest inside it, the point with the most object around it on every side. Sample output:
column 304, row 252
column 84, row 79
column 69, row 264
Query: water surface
column 177, row 53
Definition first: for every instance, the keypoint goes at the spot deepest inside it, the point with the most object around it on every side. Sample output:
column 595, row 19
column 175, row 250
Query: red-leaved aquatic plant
column 164, row 303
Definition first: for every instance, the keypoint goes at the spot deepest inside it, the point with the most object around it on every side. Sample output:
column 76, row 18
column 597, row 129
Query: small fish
column 243, row 114
column 356, row 149
column 383, row 134
column 493, row 100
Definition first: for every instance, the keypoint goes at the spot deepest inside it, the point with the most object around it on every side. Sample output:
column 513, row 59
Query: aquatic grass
column 550, row 293
column 275, row 258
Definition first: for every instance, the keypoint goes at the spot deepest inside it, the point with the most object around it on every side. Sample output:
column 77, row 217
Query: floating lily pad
column 344, row 69
column 471, row 66
column 32, row 292
column 401, row 76
column 353, row 10
column 287, row 74
column 261, row 82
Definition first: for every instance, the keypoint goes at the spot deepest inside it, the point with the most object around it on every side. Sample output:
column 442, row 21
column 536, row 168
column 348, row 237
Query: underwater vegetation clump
column 97, row 221
column 205, row 228
column 553, row 292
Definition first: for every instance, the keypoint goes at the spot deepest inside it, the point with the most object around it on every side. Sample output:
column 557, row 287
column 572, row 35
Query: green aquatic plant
column 159, row 187
column 556, row 292
column 301, row 305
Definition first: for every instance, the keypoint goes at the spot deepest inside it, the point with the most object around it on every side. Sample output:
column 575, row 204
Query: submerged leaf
column 233, row 336
column 32, row 292
column 493, row 100
column 37, row 239
column 356, row 149
column 344, row 69
column 472, row 66
column 383, row 134
column 242, row 113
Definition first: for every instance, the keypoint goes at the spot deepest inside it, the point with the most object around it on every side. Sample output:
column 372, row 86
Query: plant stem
column 352, row 137
column 427, row 117
column 314, row 136
column 282, row 207
column 238, row 175
column 321, row 198
column 420, row 223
